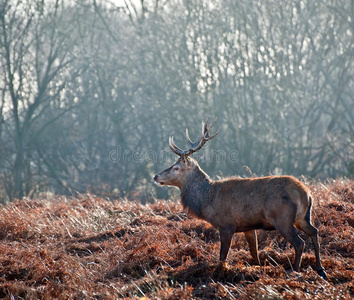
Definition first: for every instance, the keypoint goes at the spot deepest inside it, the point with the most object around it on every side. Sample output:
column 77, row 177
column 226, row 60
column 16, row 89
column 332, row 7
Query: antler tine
column 187, row 136
column 175, row 148
column 214, row 135
column 207, row 137
column 205, row 127
column 194, row 144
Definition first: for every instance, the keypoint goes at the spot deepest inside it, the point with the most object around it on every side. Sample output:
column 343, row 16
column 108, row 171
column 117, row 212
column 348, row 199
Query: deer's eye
column 175, row 168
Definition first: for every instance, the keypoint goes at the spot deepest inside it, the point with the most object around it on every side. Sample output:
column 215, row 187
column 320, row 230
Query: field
column 91, row 248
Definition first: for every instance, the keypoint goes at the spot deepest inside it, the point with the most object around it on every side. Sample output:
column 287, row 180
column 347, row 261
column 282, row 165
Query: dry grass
column 91, row 248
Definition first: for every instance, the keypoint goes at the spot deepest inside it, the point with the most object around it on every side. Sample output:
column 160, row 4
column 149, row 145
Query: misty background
column 91, row 90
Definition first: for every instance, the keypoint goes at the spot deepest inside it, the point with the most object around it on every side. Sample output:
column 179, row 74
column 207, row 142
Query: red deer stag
column 242, row 204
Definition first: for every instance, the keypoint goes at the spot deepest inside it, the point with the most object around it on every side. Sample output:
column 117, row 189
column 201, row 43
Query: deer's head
column 179, row 173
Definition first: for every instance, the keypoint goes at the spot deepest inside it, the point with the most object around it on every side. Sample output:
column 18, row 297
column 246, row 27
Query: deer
column 236, row 204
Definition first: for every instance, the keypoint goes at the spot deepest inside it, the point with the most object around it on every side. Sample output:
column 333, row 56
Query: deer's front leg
column 225, row 238
column 251, row 237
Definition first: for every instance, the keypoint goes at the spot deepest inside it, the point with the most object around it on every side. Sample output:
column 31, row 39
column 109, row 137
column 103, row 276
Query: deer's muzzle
column 157, row 180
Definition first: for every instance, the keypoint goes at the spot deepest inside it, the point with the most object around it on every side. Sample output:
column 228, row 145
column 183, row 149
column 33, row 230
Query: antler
column 195, row 146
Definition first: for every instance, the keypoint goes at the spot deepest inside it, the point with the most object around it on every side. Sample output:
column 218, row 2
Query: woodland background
column 90, row 91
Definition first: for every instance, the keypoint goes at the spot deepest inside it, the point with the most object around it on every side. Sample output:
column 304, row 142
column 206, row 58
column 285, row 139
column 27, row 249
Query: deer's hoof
column 322, row 273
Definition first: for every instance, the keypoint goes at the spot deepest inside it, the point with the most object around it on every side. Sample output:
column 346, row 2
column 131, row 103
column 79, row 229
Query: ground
column 87, row 247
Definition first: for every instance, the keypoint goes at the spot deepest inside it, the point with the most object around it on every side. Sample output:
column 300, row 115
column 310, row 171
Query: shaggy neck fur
column 195, row 193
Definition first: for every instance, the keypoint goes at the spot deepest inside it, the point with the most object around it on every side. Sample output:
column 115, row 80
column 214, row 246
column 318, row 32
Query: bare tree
column 34, row 53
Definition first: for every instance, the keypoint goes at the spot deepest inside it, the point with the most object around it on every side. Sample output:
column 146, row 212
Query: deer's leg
column 312, row 232
column 289, row 233
column 225, row 238
column 283, row 218
column 251, row 237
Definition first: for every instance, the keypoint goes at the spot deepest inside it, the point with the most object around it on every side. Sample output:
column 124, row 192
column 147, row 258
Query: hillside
column 90, row 248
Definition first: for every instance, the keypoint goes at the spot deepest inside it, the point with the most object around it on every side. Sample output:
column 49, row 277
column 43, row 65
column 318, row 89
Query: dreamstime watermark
column 150, row 156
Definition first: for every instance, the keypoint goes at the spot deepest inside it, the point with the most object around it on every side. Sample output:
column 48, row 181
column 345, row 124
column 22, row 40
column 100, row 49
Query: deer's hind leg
column 292, row 237
column 284, row 224
column 312, row 232
column 251, row 237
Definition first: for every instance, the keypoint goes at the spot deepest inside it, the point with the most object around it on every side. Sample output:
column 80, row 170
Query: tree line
column 91, row 90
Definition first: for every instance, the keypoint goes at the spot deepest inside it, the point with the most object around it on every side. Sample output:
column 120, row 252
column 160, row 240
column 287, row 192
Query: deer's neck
column 195, row 193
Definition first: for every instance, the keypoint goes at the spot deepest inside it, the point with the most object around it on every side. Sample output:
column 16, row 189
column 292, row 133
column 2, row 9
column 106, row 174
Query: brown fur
column 244, row 205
